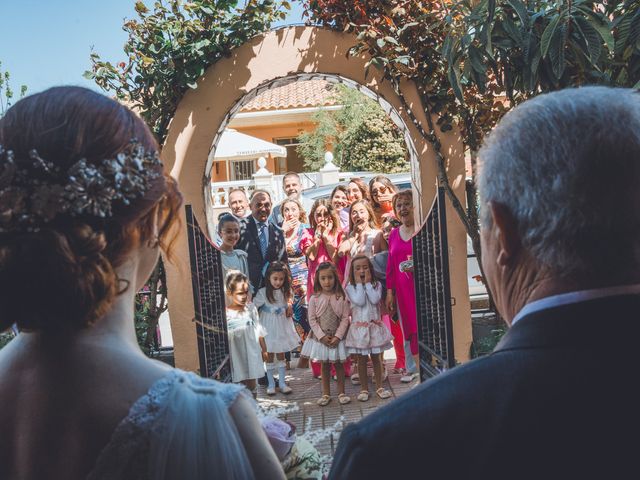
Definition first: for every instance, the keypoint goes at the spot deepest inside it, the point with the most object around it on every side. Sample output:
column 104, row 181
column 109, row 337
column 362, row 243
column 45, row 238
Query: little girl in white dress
column 367, row 335
column 276, row 318
column 244, row 330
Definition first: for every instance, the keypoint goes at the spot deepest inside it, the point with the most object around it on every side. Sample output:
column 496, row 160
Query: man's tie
column 263, row 239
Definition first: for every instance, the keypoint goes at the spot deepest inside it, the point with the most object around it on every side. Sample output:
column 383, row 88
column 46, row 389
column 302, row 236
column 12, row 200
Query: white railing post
column 330, row 173
column 263, row 178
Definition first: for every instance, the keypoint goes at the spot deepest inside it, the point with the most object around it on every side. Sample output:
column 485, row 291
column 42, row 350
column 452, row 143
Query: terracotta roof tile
column 307, row 93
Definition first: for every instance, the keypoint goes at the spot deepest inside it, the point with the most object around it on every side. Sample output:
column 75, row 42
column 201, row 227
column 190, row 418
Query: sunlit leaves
column 171, row 44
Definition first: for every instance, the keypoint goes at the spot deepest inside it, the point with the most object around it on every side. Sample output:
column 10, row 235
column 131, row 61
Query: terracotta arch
column 204, row 111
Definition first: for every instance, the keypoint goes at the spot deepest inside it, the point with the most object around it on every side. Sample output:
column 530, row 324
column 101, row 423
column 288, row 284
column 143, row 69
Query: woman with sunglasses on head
column 357, row 189
column 85, row 208
column 382, row 191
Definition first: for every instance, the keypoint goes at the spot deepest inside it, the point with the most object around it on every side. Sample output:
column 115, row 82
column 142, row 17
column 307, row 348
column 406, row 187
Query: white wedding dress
column 180, row 429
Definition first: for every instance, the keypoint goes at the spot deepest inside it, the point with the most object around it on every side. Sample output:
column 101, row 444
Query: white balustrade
column 220, row 190
column 309, row 180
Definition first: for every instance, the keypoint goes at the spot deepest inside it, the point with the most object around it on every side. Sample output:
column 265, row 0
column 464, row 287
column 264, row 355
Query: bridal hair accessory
column 33, row 191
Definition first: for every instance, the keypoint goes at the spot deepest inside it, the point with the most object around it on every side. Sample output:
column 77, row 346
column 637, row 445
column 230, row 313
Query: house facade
column 278, row 115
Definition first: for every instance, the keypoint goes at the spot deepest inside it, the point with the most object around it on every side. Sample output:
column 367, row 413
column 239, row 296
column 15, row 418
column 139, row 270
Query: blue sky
column 44, row 43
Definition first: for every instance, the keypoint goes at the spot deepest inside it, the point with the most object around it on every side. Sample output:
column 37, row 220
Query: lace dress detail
column 149, row 427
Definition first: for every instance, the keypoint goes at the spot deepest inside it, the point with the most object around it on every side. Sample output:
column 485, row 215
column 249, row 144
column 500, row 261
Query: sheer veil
column 194, row 435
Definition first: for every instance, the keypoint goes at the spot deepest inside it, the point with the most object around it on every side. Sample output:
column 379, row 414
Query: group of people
column 323, row 285
column 85, row 208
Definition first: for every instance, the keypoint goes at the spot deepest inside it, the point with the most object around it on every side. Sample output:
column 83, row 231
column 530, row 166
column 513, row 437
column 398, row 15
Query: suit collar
column 601, row 322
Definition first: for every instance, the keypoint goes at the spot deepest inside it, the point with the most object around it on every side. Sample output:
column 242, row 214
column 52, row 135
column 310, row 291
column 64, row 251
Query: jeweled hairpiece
column 34, row 192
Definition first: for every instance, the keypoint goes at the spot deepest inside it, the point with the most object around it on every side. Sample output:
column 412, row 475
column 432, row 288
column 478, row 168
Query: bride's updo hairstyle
column 81, row 186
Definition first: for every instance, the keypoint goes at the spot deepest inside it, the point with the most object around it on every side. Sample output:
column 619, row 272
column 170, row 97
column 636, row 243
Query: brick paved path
column 300, row 406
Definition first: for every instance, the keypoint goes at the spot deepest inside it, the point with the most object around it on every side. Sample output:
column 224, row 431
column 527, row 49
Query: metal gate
column 433, row 292
column 209, row 304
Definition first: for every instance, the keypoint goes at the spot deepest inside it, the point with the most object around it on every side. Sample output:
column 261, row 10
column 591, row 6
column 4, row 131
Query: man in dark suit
column 262, row 240
column 558, row 397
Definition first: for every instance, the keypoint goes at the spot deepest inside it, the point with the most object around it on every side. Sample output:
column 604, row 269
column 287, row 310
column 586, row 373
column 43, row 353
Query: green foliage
column 171, row 45
column 486, row 345
column 169, row 48
column 6, row 92
column 5, row 338
column 473, row 60
column 362, row 136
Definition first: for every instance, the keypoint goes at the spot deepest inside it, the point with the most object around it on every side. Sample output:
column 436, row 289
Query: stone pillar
column 263, row 178
column 330, row 173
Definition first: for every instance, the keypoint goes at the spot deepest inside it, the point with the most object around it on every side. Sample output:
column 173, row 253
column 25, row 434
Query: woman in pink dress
column 320, row 242
column 401, row 296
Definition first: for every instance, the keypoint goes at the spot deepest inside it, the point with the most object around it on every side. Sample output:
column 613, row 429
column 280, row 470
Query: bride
column 84, row 210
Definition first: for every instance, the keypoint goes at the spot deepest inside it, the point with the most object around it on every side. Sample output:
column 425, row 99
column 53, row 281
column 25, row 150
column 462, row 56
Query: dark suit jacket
column 249, row 242
column 558, row 398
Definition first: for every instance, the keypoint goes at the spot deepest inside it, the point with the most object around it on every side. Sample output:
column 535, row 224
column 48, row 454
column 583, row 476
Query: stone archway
column 204, row 112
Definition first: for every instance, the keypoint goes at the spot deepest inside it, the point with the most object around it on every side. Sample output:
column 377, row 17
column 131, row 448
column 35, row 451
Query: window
column 293, row 163
column 242, row 169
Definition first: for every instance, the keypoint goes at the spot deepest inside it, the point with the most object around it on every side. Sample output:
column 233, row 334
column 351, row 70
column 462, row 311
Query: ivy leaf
column 556, row 52
column 141, row 8
column 624, row 29
column 548, row 34
column 475, row 58
column 604, row 31
column 454, row 79
column 521, row 10
column 591, row 37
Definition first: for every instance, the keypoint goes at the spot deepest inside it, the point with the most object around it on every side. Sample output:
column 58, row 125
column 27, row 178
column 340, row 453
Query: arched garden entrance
column 280, row 56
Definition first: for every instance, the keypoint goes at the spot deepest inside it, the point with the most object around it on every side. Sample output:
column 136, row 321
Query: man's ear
column 506, row 233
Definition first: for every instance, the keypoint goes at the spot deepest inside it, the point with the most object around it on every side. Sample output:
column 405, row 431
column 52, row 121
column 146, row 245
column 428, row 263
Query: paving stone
column 300, row 406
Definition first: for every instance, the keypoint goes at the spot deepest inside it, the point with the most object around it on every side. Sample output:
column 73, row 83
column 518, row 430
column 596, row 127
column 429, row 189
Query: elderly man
column 560, row 199
column 292, row 187
column 263, row 241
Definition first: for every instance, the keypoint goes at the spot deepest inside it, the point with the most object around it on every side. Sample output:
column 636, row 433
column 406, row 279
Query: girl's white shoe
column 285, row 389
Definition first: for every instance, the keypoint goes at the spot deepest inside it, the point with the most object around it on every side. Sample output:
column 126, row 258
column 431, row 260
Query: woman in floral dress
column 294, row 227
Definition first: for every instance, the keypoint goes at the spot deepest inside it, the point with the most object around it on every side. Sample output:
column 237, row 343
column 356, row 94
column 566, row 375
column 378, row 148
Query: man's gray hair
column 567, row 166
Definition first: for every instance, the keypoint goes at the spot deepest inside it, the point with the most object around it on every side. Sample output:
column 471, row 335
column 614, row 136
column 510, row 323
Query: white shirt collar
column 575, row 297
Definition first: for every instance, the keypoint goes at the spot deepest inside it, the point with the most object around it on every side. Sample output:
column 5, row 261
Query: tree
column 472, row 61
column 362, row 136
column 169, row 48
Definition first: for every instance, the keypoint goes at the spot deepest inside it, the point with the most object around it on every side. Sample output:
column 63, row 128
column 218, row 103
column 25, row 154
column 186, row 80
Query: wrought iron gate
column 433, row 292
column 209, row 304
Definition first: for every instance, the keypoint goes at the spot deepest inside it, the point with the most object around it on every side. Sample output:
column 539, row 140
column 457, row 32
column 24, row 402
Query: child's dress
column 280, row 332
column 234, row 260
column 367, row 333
column 244, row 345
column 328, row 315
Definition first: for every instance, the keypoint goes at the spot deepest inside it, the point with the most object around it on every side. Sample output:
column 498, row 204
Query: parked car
column 477, row 291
